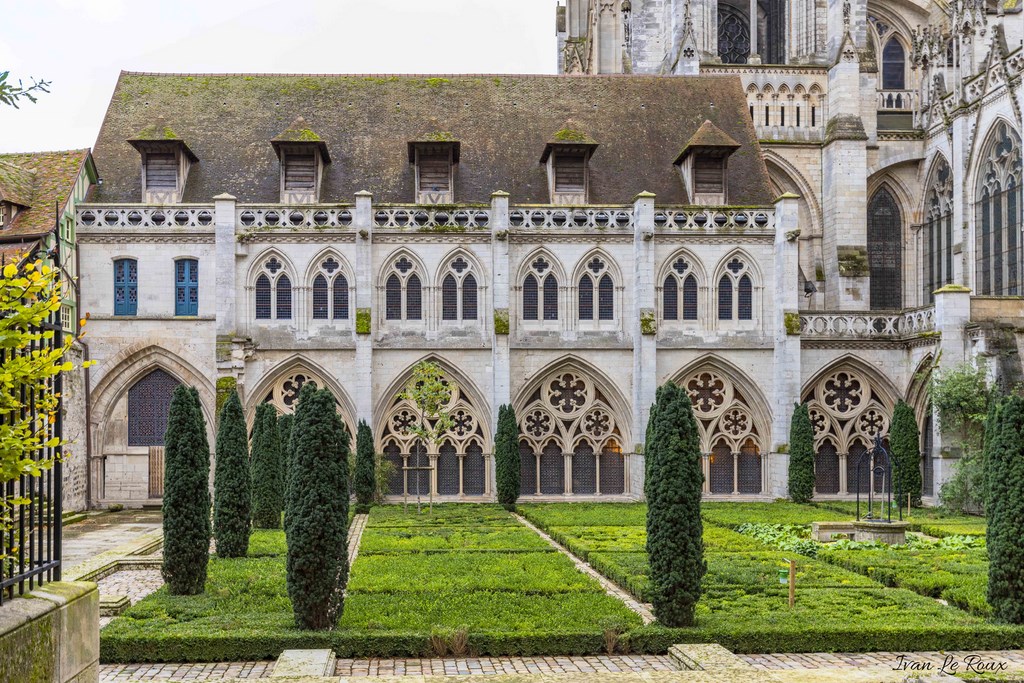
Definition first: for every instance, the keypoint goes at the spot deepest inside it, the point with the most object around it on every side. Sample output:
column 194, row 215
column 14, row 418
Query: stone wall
column 75, row 468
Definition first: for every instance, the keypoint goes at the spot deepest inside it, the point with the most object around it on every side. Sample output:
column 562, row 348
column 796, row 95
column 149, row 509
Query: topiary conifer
column 232, row 490
column 507, row 469
column 365, row 478
column 905, row 445
column 284, row 432
column 266, row 470
column 186, row 502
column 316, row 517
column 1005, row 535
column 801, row 455
column 675, row 547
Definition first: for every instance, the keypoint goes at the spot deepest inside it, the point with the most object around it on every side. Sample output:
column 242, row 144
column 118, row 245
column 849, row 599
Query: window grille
column 746, row 298
column 435, row 170
column 413, row 298
column 570, row 172
column 449, row 298
column 733, row 35
column 613, row 472
column 690, row 298
column 447, row 470
column 148, row 402
column 262, row 298
column 584, row 469
column 396, row 478
column 885, row 260
column 530, row 297
column 186, row 288
column 469, row 298
column 393, row 298
column 927, row 466
column 284, row 298
column 551, row 297
column 341, row 298
column 300, row 172
column 722, row 467
column 126, row 287
column 708, row 175
column 527, row 469
column 586, row 296
column 938, row 242
column 473, row 471
column 749, row 472
column 320, row 302
column 418, row 481
column 998, row 210
column 161, row 171
column 826, row 469
column 670, row 299
column 725, row 298
column 552, row 469
column 893, row 66
column 605, row 298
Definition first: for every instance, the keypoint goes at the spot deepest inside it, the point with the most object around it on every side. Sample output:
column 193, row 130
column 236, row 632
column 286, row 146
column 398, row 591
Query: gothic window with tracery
column 733, row 35
column 403, row 293
column 736, row 291
column 894, row 58
column 596, row 291
column 998, row 209
column 459, row 291
column 330, row 291
column 679, row 292
column 885, row 251
column 273, row 290
column 730, row 434
column 148, row 402
column 458, row 461
column 846, row 415
column 540, row 291
column 568, row 420
column 938, row 231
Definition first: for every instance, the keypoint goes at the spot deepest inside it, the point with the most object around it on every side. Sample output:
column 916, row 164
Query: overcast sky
column 81, row 45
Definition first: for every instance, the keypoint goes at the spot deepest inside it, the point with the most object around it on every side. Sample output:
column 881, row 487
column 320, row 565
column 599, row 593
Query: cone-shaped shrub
column 365, row 481
column 232, row 491
column 267, row 474
column 186, row 504
column 801, row 456
column 316, row 516
column 991, row 443
column 1005, row 511
column 506, row 457
column 284, row 432
column 905, row 444
column 675, row 480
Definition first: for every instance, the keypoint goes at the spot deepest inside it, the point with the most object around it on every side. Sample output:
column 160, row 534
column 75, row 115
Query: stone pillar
column 752, row 23
column 362, row 223
column 952, row 313
column 643, row 325
column 224, row 234
column 786, row 375
column 501, row 367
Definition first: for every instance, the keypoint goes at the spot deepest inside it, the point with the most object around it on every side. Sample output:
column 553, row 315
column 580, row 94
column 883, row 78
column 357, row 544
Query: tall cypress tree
column 284, row 432
column 675, row 547
column 507, row 469
column 801, row 455
column 316, row 517
column 365, row 483
column 1005, row 512
column 267, row 474
column 905, row 444
column 186, row 503
column 232, row 490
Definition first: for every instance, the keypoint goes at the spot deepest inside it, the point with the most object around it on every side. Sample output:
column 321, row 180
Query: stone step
column 113, row 605
column 709, row 657
column 295, row 663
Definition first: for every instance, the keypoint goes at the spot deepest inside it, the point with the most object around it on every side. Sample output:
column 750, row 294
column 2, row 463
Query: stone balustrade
column 882, row 325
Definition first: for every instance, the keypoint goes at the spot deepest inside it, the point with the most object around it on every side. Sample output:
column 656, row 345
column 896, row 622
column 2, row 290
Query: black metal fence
column 30, row 540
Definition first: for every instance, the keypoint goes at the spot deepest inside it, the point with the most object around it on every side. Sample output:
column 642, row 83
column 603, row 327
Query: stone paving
column 111, row 673
column 502, row 665
column 643, row 609
column 1013, row 659
column 355, row 534
column 100, row 533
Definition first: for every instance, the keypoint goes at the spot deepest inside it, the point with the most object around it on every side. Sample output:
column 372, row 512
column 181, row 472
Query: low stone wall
column 51, row 635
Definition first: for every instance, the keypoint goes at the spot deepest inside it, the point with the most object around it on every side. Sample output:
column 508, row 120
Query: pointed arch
column 319, row 264
column 885, row 249
column 554, row 264
column 460, row 278
column 538, row 283
column 750, row 263
column 917, row 391
column 737, row 277
column 390, row 264
column 788, row 177
column 280, row 387
column 937, row 227
column 261, row 263
column 998, row 179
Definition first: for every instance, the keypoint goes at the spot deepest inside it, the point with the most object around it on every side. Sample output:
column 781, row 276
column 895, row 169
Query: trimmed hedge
column 378, row 540
column 445, row 514
column 548, row 515
column 506, row 458
column 801, row 455
column 364, row 481
column 731, row 515
column 267, row 470
column 905, row 445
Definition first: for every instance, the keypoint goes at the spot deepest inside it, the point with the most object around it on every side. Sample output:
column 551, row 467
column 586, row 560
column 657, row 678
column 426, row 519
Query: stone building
column 761, row 234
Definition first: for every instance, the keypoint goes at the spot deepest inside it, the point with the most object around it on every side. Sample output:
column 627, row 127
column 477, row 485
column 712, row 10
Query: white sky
column 81, row 45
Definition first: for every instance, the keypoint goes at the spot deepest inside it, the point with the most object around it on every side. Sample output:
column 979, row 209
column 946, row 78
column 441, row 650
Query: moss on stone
column 853, row 261
column 946, row 289
column 362, row 321
column 792, row 322
column 225, row 387
column 648, row 324
column 501, row 324
column 572, row 135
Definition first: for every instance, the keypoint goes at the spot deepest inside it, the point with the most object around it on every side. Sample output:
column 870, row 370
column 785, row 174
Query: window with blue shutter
column 126, row 286
column 186, row 287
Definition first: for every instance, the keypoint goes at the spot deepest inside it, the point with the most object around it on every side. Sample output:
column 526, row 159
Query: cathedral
column 765, row 202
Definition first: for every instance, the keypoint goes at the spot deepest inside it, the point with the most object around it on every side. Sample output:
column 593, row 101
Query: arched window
column 937, row 240
column 670, row 299
column 186, row 287
column 403, row 293
column 540, row 291
column 998, row 208
column 340, row 288
column 148, row 402
column 596, row 291
column 733, row 35
column 679, row 278
column 458, row 291
column 735, row 291
column 126, row 286
column 262, row 298
column 273, row 291
column 284, row 298
column 893, row 65
column 321, row 307
column 885, row 252
column 330, row 291
column 725, row 298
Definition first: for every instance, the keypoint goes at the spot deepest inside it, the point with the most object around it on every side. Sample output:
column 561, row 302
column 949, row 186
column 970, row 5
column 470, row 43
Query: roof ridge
column 46, row 151
column 409, row 75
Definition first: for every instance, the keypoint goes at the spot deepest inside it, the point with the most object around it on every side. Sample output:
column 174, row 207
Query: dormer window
column 567, row 156
column 434, row 159
column 703, row 165
column 303, row 156
column 166, row 161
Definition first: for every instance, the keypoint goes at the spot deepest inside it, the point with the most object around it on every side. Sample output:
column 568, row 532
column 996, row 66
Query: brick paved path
column 1014, row 659
column 111, row 673
column 502, row 665
column 355, row 534
column 100, row 533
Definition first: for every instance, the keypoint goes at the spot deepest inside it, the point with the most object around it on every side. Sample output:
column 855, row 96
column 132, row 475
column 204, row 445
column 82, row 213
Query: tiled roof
column 14, row 253
column 501, row 122
column 54, row 175
column 16, row 184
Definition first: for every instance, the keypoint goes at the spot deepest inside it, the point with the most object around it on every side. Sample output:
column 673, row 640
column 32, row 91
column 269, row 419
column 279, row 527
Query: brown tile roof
column 54, row 176
column 15, row 253
column 16, row 183
column 501, row 122
column 299, row 131
column 707, row 136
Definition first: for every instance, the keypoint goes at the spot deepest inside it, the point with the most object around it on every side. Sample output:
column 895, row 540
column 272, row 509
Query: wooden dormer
column 567, row 156
column 303, row 155
column 434, row 158
column 16, row 189
column 166, row 161
column 704, row 164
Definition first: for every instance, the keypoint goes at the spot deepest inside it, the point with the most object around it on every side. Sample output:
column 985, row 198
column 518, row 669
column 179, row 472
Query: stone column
column 362, row 223
column 224, row 234
column 754, row 57
column 952, row 313
column 501, row 369
column 786, row 375
column 642, row 324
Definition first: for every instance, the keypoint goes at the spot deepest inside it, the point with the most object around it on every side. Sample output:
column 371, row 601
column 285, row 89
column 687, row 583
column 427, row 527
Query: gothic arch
column 936, row 236
column 314, row 266
column 525, row 266
column 781, row 167
column 387, row 266
column 696, row 266
column 257, row 266
column 886, row 221
column 995, row 201
column 981, row 144
column 271, row 388
column 471, row 258
column 751, row 264
column 917, row 391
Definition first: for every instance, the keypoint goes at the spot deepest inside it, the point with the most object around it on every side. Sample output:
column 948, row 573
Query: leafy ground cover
column 932, row 521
